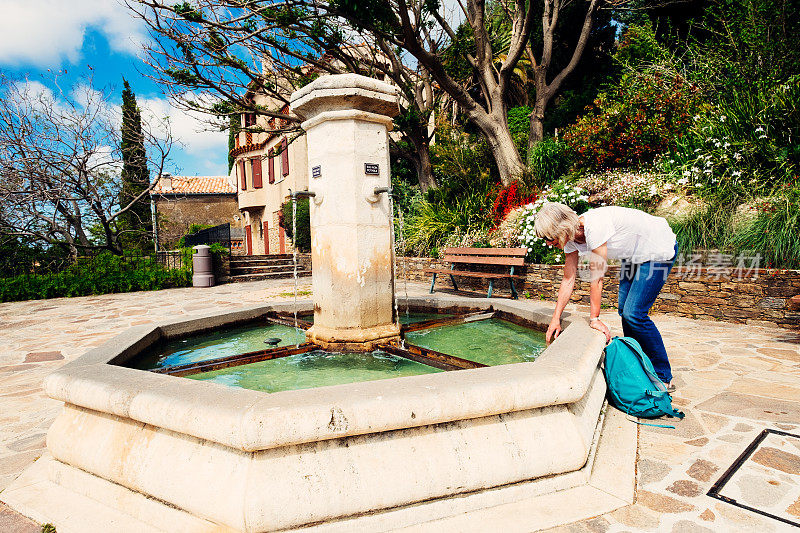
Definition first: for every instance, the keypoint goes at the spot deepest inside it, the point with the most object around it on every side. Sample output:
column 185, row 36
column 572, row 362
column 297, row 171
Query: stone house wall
column 176, row 213
column 762, row 296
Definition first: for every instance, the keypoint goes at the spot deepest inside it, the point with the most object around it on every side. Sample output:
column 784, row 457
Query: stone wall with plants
column 757, row 296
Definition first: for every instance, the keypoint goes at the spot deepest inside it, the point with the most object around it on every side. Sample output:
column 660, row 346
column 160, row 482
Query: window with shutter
column 272, row 165
column 242, row 176
column 256, row 163
column 285, row 156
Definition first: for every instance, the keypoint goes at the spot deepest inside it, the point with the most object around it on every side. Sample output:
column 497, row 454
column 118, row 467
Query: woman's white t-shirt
column 627, row 233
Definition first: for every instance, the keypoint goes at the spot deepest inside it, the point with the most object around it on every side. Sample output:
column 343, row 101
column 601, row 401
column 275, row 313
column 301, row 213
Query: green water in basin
column 491, row 342
column 215, row 344
column 315, row 369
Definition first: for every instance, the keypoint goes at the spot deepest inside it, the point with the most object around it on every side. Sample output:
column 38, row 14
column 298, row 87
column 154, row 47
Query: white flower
column 722, row 118
column 726, row 145
column 687, row 173
column 683, row 181
column 737, row 173
column 759, row 129
column 737, row 156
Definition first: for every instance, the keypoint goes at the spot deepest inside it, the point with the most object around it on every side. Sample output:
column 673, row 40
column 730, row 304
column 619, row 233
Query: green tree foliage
column 136, row 222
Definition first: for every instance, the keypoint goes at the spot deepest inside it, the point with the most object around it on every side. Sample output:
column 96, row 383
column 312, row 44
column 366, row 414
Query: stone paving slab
column 734, row 381
column 769, row 480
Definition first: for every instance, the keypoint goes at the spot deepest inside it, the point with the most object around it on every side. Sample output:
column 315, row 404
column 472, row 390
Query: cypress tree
column 135, row 176
column 233, row 130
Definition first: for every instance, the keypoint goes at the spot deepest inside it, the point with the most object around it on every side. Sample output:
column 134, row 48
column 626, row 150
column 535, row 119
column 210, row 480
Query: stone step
column 261, row 269
column 269, row 275
column 256, row 257
column 262, row 262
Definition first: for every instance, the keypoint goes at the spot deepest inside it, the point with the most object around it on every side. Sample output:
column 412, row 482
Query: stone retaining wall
column 760, row 296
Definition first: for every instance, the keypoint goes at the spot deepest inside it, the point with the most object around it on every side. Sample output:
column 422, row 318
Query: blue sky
column 73, row 39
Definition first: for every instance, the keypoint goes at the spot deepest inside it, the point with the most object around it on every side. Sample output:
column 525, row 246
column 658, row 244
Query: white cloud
column 207, row 149
column 45, row 33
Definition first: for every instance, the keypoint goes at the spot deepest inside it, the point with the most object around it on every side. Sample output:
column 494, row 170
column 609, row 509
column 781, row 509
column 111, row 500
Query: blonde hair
column 556, row 222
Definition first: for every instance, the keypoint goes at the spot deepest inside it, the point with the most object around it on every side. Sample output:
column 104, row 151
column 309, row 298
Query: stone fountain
column 347, row 120
column 134, row 450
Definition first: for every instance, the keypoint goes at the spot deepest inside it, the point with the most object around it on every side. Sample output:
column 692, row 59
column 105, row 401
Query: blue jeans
column 639, row 285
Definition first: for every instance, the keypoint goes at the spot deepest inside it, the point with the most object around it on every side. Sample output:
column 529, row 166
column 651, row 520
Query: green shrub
column 549, row 161
column 102, row 274
column 773, row 234
column 303, row 239
column 707, row 228
column 519, row 119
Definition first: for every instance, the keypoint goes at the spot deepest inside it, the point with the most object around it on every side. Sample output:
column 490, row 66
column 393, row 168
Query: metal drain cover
column 765, row 479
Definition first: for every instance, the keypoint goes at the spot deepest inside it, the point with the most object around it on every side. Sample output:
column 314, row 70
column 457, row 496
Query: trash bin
column 202, row 265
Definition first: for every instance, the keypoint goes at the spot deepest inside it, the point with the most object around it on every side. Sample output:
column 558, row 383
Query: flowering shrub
column 623, row 187
column 636, row 121
column 506, row 234
column 741, row 150
column 509, row 198
column 562, row 192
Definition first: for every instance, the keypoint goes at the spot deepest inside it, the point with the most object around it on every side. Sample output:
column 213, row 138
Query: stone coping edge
column 250, row 420
column 334, row 84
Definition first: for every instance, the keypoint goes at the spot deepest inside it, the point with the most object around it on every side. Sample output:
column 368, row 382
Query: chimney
column 166, row 181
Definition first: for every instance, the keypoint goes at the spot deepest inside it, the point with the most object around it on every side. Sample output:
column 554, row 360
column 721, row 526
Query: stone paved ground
column 733, row 382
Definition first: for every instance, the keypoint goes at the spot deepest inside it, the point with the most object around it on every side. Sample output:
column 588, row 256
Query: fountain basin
column 251, row 461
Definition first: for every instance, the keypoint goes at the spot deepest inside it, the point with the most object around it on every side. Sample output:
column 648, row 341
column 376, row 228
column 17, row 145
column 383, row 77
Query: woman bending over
column 647, row 248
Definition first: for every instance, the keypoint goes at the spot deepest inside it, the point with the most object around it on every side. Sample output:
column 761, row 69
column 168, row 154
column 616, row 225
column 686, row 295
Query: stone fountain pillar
column 347, row 120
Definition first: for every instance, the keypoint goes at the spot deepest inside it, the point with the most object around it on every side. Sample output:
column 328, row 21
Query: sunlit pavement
column 733, row 382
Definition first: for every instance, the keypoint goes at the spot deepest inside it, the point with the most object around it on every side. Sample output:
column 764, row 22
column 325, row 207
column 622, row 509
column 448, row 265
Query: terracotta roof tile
column 195, row 185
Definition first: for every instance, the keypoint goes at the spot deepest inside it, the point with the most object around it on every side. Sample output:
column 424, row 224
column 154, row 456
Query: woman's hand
column 553, row 331
column 602, row 328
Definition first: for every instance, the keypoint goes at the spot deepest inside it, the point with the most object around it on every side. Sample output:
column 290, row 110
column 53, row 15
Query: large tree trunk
column 421, row 158
column 536, row 133
column 506, row 155
column 545, row 91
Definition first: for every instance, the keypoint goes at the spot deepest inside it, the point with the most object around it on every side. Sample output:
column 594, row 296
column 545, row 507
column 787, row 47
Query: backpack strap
column 636, row 421
column 664, row 402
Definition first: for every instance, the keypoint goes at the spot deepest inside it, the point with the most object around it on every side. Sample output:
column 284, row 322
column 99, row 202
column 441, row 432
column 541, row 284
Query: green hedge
column 102, row 274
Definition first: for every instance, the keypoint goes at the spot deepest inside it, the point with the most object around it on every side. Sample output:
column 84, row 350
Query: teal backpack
column 633, row 386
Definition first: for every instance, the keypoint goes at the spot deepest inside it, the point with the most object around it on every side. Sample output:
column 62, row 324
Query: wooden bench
column 481, row 257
